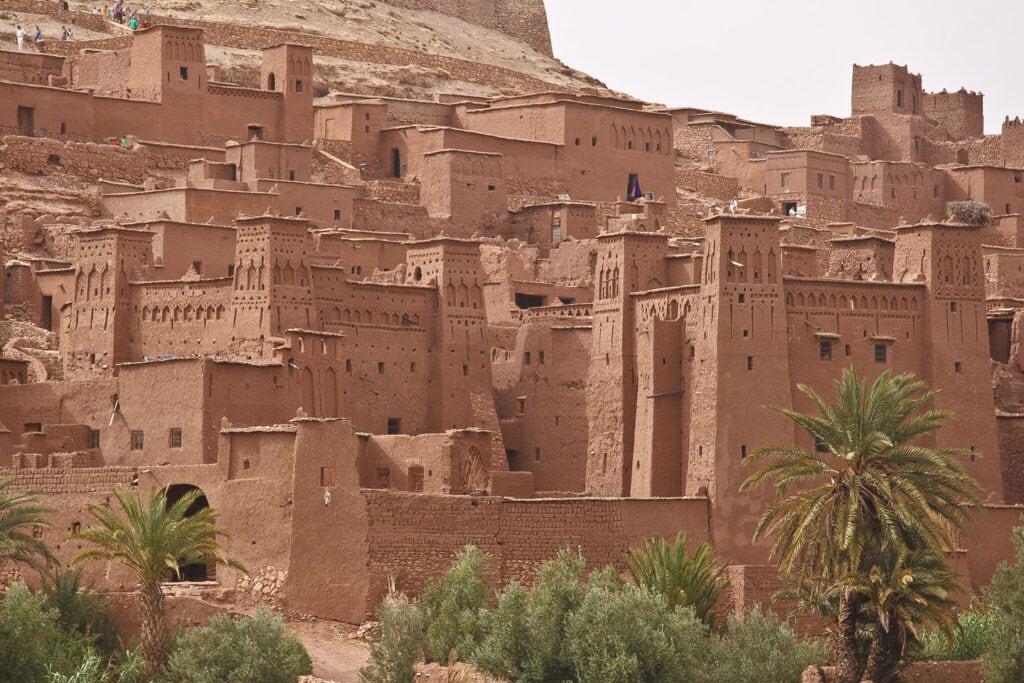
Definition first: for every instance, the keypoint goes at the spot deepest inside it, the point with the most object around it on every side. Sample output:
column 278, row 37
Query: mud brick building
column 374, row 329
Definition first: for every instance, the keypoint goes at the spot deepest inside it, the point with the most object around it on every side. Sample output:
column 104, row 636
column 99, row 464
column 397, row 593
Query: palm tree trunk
column 847, row 666
column 153, row 635
column 881, row 642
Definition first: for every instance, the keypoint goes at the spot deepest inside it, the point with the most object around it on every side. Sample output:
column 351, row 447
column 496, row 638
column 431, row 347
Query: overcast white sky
column 782, row 61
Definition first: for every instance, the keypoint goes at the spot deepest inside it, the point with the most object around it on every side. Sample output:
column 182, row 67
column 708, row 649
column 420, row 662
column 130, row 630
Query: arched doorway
column 190, row 572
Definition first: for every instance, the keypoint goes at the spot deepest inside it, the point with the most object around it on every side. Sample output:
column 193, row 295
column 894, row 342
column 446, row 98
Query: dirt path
column 335, row 657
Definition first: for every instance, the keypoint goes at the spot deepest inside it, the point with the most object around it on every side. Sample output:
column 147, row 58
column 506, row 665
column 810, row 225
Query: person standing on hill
column 20, row 33
column 133, row 23
column 38, row 35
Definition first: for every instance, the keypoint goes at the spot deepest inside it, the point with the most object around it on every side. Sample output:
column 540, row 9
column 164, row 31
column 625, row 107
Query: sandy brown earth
column 335, row 656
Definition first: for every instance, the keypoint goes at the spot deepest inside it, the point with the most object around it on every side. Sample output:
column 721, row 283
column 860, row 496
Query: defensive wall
column 256, row 38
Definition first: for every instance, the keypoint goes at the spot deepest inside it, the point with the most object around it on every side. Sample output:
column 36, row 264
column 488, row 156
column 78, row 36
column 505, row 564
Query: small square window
column 298, row 210
column 825, row 350
column 32, row 427
column 366, row 129
column 337, row 214
column 819, row 446
column 577, row 142
column 536, row 453
column 298, row 86
column 956, row 367
column 198, row 267
column 522, row 406
column 741, row 298
column 394, row 425
column 952, row 307
column 380, row 368
column 138, row 440
column 291, row 175
column 183, row 73
column 743, row 452
column 831, row 182
column 412, row 367
column 94, row 438
column 821, row 180
column 750, row 362
column 465, row 370
column 881, row 353
column 326, row 476
column 593, row 143
column 175, row 437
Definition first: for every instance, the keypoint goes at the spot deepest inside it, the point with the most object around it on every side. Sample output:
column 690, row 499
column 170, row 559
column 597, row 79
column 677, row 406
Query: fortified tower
column 739, row 367
column 273, row 289
column 626, row 262
column 885, row 89
column 288, row 69
column 947, row 259
column 96, row 330
column 462, row 369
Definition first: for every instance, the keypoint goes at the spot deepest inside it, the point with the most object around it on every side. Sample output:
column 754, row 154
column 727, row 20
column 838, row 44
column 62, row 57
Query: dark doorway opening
column 26, row 121
column 789, row 209
column 999, row 339
column 633, row 191
column 190, row 572
column 396, row 163
column 528, row 300
column 46, row 313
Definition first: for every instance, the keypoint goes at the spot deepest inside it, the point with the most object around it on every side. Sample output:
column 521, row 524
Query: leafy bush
column 96, row 669
column 631, row 636
column 692, row 581
column 969, row 640
column 453, row 604
column 758, row 648
column 508, row 645
column 399, row 644
column 256, row 650
column 968, row 212
column 32, row 642
column 1003, row 656
column 525, row 638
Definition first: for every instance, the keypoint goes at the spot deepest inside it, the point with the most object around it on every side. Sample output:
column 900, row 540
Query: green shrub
column 690, row 581
column 525, row 638
column 97, row 669
column 507, row 646
column 969, row 639
column 399, row 644
column 758, row 648
column 32, row 642
column 453, row 605
column 256, row 650
column 1003, row 656
column 631, row 636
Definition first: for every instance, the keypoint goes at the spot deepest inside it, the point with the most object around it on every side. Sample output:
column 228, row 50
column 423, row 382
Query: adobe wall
column 69, row 492
column 960, row 113
column 539, row 397
column 714, row 185
column 28, row 67
column 415, row 537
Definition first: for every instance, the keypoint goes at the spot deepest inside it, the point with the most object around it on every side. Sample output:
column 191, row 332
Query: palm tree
column 868, row 485
column 692, row 581
column 20, row 515
column 154, row 541
column 904, row 592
